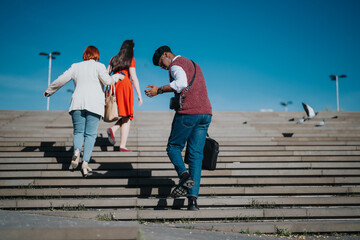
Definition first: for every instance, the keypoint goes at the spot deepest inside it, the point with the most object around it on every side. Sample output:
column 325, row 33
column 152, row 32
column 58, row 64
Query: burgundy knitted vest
column 196, row 100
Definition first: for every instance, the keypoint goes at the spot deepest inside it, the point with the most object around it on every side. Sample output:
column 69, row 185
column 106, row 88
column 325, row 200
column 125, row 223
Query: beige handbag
column 111, row 109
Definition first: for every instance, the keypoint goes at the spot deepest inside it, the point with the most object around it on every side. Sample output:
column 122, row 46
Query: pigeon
column 291, row 119
column 320, row 124
column 302, row 120
column 309, row 111
column 334, row 117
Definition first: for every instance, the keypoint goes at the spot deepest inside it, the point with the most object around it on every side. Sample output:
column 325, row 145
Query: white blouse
column 89, row 78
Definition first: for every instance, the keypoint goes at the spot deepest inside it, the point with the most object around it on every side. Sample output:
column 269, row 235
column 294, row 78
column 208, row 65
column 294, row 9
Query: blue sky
column 254, row 54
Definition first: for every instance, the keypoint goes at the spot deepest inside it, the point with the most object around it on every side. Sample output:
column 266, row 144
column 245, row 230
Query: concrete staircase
column 272, row 173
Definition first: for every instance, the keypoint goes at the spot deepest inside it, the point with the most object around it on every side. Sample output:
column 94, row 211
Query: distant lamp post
column 336, row 78
column 50, row 56
column 285, row 104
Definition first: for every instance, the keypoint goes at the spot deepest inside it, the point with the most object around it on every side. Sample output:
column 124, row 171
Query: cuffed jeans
column 85, row 131
column 190, row 129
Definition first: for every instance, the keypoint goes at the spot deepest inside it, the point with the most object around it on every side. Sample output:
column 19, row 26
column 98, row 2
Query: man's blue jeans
column 85, row 129
column 190, row 129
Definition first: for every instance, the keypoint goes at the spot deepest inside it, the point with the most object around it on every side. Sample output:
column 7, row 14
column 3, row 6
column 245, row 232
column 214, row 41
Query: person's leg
column 124, row 131
column 117, row 125
column 181, row 128
column 91, row 127
column 78, row 120
column 195, row 147
column 112, row 131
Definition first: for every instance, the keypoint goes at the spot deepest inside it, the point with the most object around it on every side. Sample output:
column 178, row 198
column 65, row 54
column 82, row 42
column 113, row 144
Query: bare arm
column 135, row 81
column 153, row 91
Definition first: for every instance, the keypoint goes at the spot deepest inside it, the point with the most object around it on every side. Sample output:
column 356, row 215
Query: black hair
column 123, row 59
column 158, row 53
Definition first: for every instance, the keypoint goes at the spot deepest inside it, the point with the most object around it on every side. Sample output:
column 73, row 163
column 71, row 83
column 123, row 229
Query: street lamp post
column 50, row 56
column 336, row 78
column 285, row 104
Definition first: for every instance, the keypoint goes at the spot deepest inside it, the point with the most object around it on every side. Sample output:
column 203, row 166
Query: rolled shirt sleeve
column 179, row 78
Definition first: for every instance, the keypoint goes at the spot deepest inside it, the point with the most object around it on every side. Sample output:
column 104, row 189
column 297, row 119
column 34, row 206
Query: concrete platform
column 15, row 225
column 271, row 173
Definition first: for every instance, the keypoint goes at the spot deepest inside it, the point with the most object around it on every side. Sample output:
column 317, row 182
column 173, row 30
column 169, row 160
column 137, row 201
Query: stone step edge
column 237, row 214
column 166, row 166
column 205, row 190
column 268, row 202
column 170, row 182
column 147, row 173
column 290, row 227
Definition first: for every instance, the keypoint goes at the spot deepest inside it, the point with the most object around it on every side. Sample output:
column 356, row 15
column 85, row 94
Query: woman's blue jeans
column 190, row 129
column 85, row 131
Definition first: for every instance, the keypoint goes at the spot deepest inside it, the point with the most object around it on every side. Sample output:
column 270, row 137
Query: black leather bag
column 211, row 152
column 176, row 102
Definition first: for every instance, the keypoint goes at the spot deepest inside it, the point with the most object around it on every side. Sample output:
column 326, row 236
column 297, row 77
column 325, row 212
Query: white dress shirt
column 179, row 76
column 89, row 79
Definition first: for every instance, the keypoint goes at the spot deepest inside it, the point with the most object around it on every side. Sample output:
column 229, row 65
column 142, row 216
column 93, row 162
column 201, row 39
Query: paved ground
column 10, row 219
column 163, row 231
column 149, row 231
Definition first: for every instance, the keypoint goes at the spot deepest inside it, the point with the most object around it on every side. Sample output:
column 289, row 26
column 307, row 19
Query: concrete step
column 168, row 166
column 141, row 143
column 290, row 226
column 163, row 148
column 167, row 183
column 163, row 153
column 224, row 143
column 164, row 159
column 158, row 203
column 238, row 214
column 97, row 192
column 251, row 137
column 171, row 173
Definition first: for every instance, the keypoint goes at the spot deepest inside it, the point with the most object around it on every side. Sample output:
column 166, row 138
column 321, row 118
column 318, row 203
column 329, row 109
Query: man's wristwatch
column 160, row 90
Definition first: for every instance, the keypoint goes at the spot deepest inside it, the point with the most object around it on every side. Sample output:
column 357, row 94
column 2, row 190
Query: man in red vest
column 191, row 120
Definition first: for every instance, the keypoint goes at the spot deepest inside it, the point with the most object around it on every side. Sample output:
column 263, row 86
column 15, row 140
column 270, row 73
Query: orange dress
column 125, row 94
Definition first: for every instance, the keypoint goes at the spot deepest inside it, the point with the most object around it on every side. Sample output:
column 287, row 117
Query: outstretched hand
column 152, row 91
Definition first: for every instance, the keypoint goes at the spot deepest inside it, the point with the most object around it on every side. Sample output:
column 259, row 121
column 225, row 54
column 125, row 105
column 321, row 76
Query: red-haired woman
column 87, row 102
column 124, row 62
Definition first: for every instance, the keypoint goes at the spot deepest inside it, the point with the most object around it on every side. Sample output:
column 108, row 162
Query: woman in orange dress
column 124, row 62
